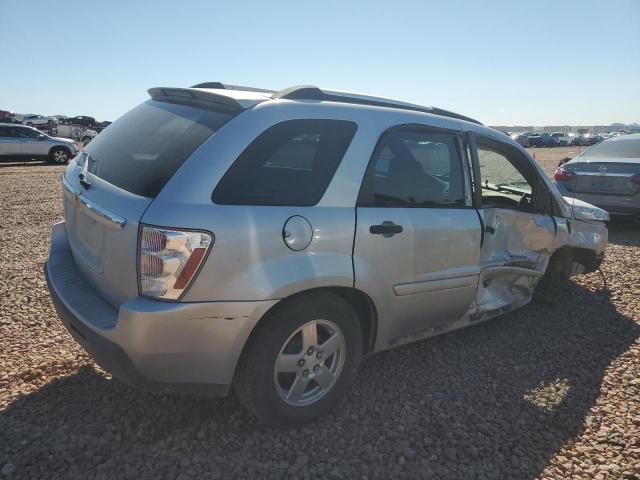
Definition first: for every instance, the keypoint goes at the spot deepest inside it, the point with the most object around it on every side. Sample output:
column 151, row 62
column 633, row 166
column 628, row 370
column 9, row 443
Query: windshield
column 142, row 149
column 618, row 148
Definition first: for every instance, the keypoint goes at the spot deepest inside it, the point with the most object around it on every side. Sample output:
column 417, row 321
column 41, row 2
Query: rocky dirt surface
column 549, row 391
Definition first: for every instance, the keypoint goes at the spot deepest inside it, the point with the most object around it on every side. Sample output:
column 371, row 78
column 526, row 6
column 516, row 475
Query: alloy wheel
column 309, row 363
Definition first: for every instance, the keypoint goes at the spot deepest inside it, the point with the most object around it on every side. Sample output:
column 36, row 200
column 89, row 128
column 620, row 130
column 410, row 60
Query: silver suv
column 20, row 141
column 219, row 237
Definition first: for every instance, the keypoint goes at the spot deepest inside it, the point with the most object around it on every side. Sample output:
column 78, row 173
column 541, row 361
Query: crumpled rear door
column 518, row 235
column 515, row 251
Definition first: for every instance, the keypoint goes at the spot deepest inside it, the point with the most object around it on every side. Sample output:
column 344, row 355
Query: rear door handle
column 387, row 229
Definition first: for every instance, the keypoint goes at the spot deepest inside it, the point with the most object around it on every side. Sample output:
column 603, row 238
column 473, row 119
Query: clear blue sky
column 501, row 61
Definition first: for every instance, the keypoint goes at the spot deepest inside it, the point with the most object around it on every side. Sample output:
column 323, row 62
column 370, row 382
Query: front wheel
column 59, row 156
column 301, row 361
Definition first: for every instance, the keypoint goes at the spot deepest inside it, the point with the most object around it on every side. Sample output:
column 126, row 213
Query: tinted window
column 142, row 149
column 291, row 163
column 618, row 148
column 26, row 132
column 412, row 168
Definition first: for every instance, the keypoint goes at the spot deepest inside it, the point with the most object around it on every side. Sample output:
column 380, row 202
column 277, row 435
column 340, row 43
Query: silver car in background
column 220, row 237
column 606, row 175
column 22, row 142
column 38, row 120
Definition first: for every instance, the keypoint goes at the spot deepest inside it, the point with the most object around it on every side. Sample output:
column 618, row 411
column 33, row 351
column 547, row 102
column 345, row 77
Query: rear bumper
column 152, row 345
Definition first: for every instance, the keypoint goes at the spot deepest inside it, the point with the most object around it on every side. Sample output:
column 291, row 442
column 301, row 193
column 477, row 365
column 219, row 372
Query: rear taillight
column 563, row 175
column 169, row 260
column 636, row 179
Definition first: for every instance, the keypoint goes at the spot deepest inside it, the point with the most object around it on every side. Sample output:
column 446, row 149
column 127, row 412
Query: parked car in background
column 606, row 175
column 10, row 120
column 563, row 139
column 273, row 269
column 77, row 133
column 589, row 139
column 102, row 125
column 548, row 140
column 6, row 114
column 534, row 139
column 81, row 120
column 521, row 138
column 23, row 142
column 37, row 120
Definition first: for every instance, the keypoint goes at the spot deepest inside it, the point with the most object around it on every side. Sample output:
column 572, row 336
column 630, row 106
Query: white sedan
column 35, row 120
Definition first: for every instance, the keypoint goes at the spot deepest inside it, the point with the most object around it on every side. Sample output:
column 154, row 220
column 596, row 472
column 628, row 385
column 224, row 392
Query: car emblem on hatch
column 602, row 169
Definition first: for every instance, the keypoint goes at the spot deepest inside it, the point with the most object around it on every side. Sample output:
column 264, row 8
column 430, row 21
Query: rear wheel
column 301, row 361
column 59, row 155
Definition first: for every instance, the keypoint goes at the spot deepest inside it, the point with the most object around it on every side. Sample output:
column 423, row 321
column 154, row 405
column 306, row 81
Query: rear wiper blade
column 83, row 175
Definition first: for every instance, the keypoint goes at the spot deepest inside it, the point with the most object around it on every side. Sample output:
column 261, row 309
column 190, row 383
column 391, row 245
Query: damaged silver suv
column 220, row 236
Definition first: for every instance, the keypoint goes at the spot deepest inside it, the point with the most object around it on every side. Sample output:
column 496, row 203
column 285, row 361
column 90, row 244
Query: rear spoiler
column 196, row 98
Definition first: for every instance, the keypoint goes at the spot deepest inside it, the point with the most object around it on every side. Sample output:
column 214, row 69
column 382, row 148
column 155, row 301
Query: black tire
column 29, row 124
column 254, row 382
column 59, row 156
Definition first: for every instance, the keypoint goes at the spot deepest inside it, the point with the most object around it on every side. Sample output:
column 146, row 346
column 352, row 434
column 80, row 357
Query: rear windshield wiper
column 83, row 175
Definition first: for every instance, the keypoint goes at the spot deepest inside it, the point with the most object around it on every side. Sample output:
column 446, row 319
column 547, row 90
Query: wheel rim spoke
column 331, row 345
column 310, row 335
column 324, row 378
column 287, row 363
column 297, row 389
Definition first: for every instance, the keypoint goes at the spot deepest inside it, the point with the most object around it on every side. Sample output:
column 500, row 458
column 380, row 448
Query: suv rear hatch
column 116, row 177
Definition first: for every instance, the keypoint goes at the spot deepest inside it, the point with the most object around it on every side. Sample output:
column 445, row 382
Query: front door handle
column 387, row 229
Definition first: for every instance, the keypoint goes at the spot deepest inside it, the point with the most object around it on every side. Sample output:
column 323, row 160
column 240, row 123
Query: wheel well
column 357, row 299
column 573, row 260
column 366, row 312
column 67, row 149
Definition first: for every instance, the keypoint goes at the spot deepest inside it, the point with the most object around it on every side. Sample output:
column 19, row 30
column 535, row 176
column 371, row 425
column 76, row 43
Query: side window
column 507, row 181
column 26, row 133
column 5, row 132
column 414, row 168
column 291, row 163
column 497, row 171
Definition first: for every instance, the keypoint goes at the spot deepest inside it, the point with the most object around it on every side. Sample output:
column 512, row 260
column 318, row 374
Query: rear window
column 142, row 149
column 618, row 148
column 290, row 163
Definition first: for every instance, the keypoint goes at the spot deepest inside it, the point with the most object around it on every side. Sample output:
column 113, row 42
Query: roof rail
column 226, row 86
column 310, row 92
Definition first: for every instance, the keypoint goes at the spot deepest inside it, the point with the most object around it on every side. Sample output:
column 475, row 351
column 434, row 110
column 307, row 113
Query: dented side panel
column 515, row 253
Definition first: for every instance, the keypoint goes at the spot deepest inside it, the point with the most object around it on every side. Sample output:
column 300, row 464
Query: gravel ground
column 549, row 391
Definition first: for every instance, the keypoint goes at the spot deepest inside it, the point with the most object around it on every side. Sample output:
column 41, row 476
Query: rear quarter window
column 291, row 163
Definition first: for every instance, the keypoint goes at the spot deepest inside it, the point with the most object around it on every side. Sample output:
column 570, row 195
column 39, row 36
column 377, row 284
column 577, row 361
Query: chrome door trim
column 97, row 212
